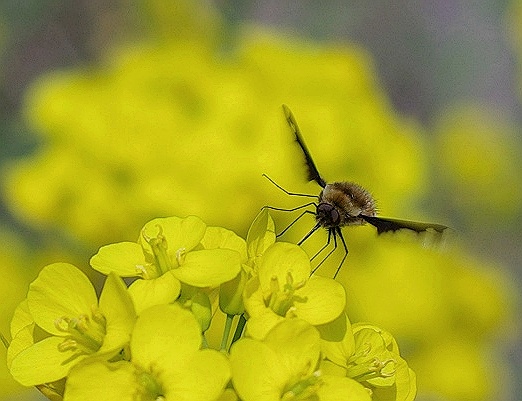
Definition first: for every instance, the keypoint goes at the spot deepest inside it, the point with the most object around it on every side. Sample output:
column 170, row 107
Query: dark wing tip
column 313, row 173
column 384, row 225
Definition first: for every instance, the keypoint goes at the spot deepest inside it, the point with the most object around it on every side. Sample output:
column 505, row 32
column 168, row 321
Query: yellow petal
column 122, row 258
column 162, row 290
column 60, row 290
column 43, row 363
column 102, row 381
column 325, row 300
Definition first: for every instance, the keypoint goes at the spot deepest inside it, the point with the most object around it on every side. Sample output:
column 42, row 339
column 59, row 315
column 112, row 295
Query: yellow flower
column 283, row 367
column 168, row 253
column 283, row 289
column 166, row 364
column 63, row 323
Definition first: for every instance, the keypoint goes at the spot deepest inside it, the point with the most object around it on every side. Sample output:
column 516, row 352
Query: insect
column 341, row 204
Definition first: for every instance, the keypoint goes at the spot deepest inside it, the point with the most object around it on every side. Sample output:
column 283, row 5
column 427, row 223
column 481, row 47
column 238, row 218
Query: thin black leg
column 339, row 232
column 285, row 191
column 293, row 222
column 324, row 247
column 313, row 230
column 331, row 232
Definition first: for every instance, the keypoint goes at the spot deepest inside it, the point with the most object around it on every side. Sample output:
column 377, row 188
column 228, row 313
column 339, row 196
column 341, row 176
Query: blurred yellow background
column 117, row 114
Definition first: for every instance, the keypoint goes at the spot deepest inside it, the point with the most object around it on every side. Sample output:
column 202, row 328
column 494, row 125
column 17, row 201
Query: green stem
column 226, row 332
column 204, row 342
column 239, row 329
column 4, row 341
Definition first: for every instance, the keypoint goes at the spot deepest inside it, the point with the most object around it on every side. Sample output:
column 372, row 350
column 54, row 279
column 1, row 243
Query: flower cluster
column 146, row 337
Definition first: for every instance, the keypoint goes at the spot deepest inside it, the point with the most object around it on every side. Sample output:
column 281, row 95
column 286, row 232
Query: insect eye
column 328, row 213
column 334, row 215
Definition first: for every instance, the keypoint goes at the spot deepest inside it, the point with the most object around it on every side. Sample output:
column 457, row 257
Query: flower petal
column 60, row 290
column 102, row 381
column 336, row 388
column 325, row 300
column 298, row 345
column 209, row 267
column 218, row 237
column 162, row 290
column 118, row 309
column 23, row 340
column 257, row 373
column 203, row 377
column 405, row 387
column 262, row 318
column 180, row 233
column 261, row 234
column 43, row 363
column 338, row 343
column 280, row 259
column 164, row 335
column 21, row 318
column 258, row 326
column 122, row 258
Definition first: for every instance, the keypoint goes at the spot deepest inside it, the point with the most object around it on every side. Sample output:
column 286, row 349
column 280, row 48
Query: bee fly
column 341, row 204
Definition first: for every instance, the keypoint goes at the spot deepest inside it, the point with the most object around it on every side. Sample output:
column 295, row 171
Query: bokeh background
column 113, row 113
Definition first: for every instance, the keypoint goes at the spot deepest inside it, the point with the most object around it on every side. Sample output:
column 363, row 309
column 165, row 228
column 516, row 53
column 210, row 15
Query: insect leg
column 293, row 222
column 280, row 209
column 331, row 232
column 287, row 192
column 292, row 210
column 324, row 247
column 339, row 232
column 313, row 230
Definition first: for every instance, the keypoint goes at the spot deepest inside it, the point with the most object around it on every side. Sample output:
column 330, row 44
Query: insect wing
column 313, row 173
column 384, row 224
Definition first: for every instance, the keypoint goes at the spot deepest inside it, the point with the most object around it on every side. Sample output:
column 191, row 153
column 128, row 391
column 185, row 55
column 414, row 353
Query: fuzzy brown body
column 343, row 203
